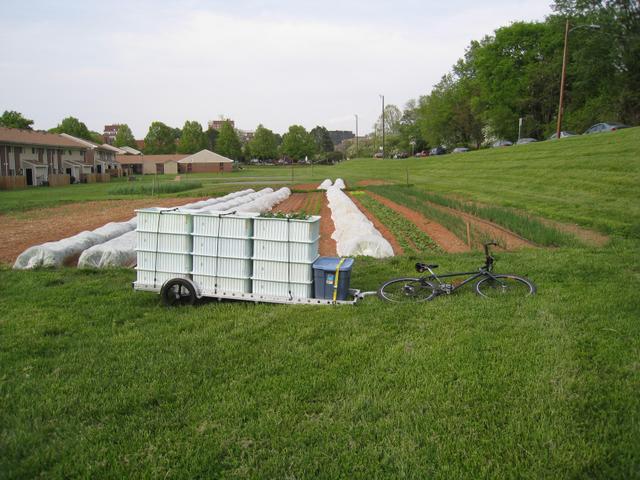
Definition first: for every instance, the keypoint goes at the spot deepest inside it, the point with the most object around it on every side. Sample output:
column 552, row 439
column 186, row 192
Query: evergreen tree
column 124, row 137
column 228, row 144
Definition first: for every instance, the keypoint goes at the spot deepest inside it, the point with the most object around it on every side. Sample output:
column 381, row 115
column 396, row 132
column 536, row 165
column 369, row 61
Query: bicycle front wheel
column 505, row 286
column 406, row 290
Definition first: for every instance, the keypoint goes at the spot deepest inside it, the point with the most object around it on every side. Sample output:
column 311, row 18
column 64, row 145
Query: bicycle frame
column 484, row 271
column 473, row 276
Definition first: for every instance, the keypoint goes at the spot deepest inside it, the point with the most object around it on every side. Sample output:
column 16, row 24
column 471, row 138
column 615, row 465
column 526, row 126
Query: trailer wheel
column 178, row 292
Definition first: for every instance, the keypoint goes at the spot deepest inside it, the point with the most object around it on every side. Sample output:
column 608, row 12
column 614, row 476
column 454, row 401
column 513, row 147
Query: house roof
column 91, row 145
column 130, row 150
column 34, row 137
column 206, row 156
column 156, row 159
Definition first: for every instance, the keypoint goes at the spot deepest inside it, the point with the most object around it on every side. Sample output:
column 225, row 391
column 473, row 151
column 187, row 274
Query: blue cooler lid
column 329, row 264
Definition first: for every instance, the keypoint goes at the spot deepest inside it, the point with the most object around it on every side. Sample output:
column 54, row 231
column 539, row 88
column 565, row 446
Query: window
column 69, row 152
column 33, row 150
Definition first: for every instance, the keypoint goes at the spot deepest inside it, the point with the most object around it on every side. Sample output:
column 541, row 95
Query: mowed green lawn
column 97, row 380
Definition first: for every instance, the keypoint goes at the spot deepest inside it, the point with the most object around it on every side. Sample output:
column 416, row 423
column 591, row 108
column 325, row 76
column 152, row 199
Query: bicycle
column 426, row 288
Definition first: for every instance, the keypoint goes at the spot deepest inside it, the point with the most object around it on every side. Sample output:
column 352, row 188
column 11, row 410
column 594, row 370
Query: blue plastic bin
column 324, row 276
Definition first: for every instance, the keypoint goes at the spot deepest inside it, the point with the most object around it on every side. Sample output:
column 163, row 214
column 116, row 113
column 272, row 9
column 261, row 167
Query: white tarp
column 55, row 254
column 121, row 251
column 354, row 233
column 339, row 183
column 266, row 202
column 326, row 183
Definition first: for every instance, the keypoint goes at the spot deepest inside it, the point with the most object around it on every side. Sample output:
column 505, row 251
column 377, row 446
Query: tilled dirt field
column 298, row 201
column 25, row 229
column 439, row 234
column 384, row 231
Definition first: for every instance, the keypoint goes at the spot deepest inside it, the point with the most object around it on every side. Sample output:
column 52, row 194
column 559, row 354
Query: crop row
column 517, row 222
column 409, row 236
column 313, row 203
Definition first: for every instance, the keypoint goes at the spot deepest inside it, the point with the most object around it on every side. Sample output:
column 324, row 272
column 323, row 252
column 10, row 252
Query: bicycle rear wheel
column 505, row 286
column 406, row 290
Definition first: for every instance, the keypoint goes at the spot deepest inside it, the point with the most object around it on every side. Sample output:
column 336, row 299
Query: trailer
column 184, row 291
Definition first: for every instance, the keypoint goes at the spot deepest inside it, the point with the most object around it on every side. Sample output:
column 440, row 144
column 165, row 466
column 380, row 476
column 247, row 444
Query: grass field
column 97, row 380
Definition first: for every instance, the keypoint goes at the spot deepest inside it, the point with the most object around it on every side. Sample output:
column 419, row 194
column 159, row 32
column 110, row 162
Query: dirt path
column 443, row 237
column 306, row 186
column 510, row 240
column 386, row 233
column 296, row 203
column 365, row 183
column 23, row 230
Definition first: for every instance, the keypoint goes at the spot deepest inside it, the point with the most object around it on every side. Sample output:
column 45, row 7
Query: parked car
column 605, row 127
column 401, row 155
column 524, row 141
column 502, row 143
column 423, row 153
column 563, row 134
column 377, row 155
column 438, row 151
column 460, row 150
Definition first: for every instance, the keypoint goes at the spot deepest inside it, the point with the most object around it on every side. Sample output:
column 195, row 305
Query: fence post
column 469, row 235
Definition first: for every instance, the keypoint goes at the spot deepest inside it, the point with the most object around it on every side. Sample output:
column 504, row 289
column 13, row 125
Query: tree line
column 515, row 74
column 296, row 144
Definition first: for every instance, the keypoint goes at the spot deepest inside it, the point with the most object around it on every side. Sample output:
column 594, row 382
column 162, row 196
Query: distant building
column 338, row 136
column 110, row 132
column 245, row 136
column 37, row 156
column 101, row 158
column 217, row 124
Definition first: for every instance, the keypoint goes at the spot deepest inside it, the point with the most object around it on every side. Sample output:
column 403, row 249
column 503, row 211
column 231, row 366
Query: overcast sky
column 256, row 61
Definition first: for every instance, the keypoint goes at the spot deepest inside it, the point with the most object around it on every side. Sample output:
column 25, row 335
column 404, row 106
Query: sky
column 269, row 62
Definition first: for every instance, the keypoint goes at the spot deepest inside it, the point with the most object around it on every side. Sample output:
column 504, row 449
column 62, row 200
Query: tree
column 228, row 144
column 72, row 126
column 124, row 137
column 211, row 135
column 160, row 139
column 297, row 143
column 13, row 119
column 263, row 145
column 322, row 139
column 392, row 117
column 192, row 139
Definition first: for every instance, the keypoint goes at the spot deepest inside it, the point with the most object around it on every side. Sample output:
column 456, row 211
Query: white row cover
column 121, row 251
column 354, row 233
column 326, row 183
column 54, row 254
column 266, row 202
column 232, row 203
column 339, row 183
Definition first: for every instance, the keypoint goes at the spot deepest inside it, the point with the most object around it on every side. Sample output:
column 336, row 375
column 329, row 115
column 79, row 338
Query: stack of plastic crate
column 284, row 250
column 163, row 245
column 222, row 250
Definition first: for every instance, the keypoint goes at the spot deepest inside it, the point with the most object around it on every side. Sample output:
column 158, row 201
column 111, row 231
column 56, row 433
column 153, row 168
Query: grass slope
column 99, row 381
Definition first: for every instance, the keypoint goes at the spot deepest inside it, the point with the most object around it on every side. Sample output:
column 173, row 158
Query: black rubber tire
column 178, row 292
column 411, row 290
column 513, row 284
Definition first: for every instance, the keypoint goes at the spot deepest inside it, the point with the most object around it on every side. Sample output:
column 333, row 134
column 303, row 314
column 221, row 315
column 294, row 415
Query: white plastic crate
column 296, row 230
column 146, row 277
column 223, row 247
column 285, row 251
column 164, row 242
column 282, row 289
column 166, row 262
column 223, row 266
column 225, row 284
column 163, row 220
column 238, row 225
column 274, row 270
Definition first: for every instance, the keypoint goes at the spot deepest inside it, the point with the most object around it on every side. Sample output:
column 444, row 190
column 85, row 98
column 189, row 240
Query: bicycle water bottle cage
column 422, row 267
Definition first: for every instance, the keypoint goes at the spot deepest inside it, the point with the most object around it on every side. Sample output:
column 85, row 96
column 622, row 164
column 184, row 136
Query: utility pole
column 384, row 153
column 565, row 54
column 562, row 78
column 357, row 148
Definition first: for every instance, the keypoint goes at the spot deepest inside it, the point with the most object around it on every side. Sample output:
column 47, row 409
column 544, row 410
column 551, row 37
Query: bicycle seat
column 421, row 267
